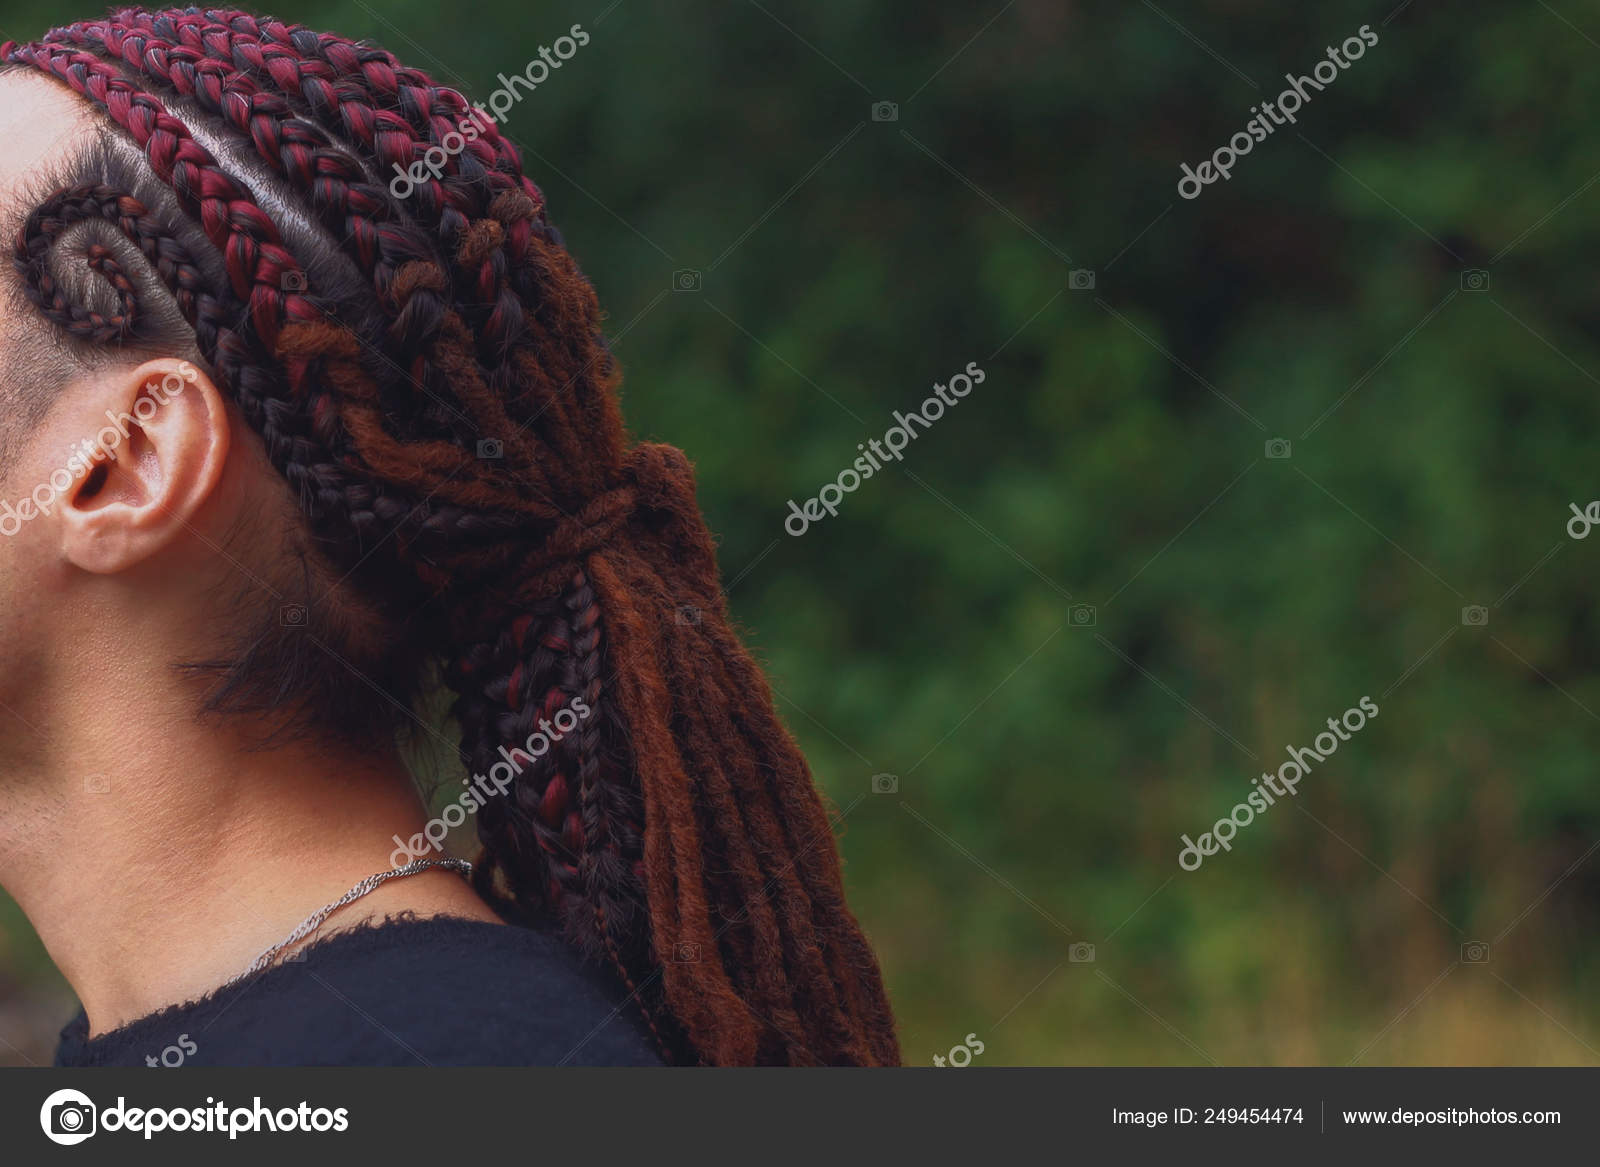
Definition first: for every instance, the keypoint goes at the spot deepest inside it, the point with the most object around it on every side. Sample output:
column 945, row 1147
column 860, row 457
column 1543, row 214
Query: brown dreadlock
column 429, row 375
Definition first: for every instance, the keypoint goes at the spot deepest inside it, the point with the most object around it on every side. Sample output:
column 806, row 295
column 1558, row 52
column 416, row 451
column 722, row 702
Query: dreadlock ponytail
column 429, row 375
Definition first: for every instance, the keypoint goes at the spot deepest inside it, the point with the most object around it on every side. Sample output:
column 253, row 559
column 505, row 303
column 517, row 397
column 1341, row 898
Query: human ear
column 156, row 439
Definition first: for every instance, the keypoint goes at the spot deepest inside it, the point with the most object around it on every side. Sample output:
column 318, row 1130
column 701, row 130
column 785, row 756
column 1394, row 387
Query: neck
column 157, row 857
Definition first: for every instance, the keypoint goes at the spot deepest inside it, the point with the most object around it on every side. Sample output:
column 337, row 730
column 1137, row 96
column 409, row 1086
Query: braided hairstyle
column 429, row 376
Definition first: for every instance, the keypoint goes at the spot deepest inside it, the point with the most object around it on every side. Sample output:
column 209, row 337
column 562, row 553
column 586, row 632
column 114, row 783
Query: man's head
column 373, row 438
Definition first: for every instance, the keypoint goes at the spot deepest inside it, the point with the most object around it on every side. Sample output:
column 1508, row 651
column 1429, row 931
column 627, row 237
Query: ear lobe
column 156, row 454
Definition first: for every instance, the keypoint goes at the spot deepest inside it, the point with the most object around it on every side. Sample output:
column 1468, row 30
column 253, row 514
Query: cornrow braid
column 429, row 375
column 178, row 57
column 44, row 227
column 248, row 71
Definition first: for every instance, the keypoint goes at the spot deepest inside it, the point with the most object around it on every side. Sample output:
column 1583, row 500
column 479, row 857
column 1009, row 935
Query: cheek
column 33, row 593
column 21, row 647
column 46, row 632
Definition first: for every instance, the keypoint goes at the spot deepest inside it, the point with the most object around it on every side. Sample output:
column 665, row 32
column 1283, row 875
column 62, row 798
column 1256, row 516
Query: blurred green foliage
column 1115, row 457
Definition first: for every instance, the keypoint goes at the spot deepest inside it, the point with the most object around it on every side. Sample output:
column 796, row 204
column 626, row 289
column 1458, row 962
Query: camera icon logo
column 294, row 616
column 96, row 784
column 886, row 784
column 885, row 111
column 1474, row 952
column 686, row 280
column 292, row 281
column 1278, row 448
column 491, row 449
column 687, row 614
column 1474, row 279
column 1084, row 616
column 1081, row 953
column 67, row 1117
column 686, row 954
column 1080, row 279
column 1475, row 616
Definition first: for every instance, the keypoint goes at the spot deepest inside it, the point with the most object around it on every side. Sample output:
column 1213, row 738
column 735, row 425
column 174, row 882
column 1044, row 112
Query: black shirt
column 408, row 992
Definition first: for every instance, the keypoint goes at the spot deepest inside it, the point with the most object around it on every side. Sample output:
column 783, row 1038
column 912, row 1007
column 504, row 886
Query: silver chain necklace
column 315, row 920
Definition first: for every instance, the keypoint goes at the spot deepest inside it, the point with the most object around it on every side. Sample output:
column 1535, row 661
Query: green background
column 1116, row 459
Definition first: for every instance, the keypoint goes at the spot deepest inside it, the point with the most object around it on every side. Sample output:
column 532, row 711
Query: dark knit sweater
column 433, row 992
